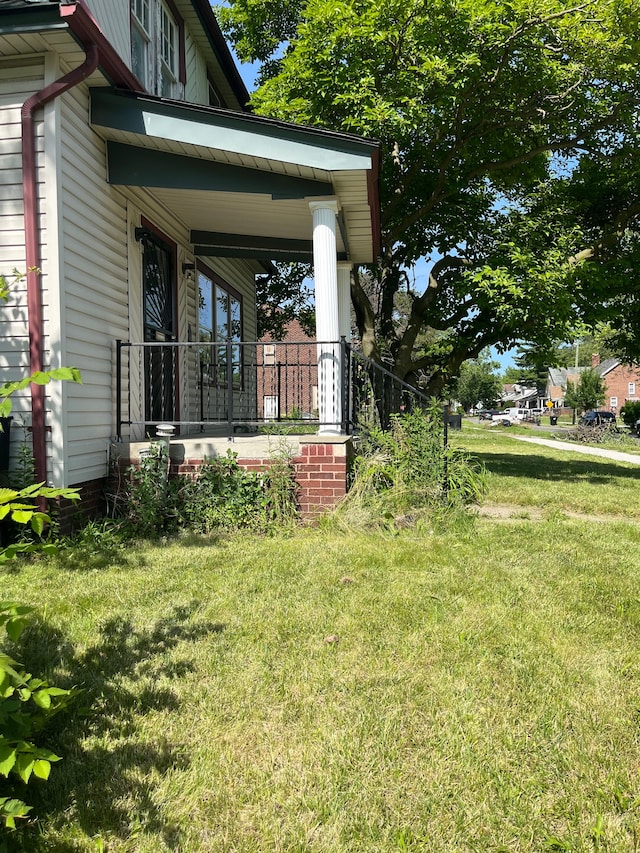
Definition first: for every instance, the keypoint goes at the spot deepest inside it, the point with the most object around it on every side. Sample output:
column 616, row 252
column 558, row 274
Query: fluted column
column 327, row 317
column 344, row 299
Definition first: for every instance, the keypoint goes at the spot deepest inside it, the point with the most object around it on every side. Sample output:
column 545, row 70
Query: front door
column 158, row 283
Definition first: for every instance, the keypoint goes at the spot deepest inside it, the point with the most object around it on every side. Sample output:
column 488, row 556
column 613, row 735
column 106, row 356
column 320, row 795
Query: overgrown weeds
column 405, row 476
column 222, row 495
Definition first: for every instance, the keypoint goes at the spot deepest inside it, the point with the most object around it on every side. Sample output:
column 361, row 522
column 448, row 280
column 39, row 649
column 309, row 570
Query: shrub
column 149, row 500
column 27, row 705
column 221, row 495
column 630, row 413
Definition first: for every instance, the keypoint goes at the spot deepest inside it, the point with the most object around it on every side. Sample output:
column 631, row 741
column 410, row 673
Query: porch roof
column 241, row 182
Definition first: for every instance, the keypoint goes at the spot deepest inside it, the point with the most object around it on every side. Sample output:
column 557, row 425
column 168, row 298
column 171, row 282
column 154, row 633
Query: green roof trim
column 241, row 133
column 134, row 166
column 31, row 20
column 257, row 254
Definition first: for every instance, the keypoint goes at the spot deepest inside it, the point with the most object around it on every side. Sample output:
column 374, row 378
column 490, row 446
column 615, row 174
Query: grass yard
column 556, row 481
column 477, row 690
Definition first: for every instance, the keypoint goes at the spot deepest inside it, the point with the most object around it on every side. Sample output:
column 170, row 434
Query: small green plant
column 280, row 488
column 149, row 499
column 222, row 495
column 27, row 704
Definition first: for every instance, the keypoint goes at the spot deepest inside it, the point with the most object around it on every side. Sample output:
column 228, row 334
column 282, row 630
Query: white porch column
column 344, row 299
column 325, row 266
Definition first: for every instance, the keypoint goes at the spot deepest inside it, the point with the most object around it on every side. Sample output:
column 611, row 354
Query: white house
column 143, row 198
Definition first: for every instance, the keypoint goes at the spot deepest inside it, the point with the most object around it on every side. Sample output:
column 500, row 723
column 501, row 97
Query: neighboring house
column 621, row 381
column 523, row 397
column 143, row 199
column 287, row 376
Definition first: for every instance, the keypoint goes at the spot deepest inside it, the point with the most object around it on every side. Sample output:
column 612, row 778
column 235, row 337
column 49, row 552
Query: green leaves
column 17, row 505
column 26, row 705
column 508, row 139
column 72, row 374
column 11, row 809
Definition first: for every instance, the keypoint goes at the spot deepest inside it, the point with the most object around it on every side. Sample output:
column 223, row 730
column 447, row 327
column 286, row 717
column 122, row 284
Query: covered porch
column 247, row 188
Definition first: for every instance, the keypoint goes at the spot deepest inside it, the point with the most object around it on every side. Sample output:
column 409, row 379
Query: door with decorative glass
column 158, row 282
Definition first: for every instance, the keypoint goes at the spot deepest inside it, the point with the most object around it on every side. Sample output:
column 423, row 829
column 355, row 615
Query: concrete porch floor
column 201, row 447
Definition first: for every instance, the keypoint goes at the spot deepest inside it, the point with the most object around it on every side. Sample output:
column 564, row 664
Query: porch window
column 219, row 324
column 157, row 47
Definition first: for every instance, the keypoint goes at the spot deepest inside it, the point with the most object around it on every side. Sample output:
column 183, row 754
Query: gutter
column 98, row 51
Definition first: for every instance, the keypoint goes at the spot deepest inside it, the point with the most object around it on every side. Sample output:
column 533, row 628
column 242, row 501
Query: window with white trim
column 613, row 402
column 157, row 47
column 632, row 389
column 141, row 40
column 219, row 330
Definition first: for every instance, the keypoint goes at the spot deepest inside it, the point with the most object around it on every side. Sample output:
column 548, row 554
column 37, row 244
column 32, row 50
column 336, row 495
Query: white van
column 512, row 415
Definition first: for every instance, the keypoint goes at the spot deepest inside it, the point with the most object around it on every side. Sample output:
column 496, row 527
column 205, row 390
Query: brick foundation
column 73, row 514
column 321, row 472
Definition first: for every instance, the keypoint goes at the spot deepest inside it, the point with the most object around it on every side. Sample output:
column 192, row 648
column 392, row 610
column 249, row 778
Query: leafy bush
column 148, row 500
column 27, row 705
column 630, row 413
column 221, row 495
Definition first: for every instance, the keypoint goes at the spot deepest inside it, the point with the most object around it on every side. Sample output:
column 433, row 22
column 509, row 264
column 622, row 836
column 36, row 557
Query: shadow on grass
column 538, row 467
column 110, row 765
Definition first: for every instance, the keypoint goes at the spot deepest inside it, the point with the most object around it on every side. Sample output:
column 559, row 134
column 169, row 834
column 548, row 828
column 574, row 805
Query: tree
column 494, row 120
column 587, row 346
column 587, row 393
column 534, row 366
column 478, row 383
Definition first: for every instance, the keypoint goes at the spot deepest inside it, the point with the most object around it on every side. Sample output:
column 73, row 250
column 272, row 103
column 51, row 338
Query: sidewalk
column 602, row 452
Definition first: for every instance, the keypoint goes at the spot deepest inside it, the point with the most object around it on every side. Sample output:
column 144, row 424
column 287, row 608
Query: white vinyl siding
column 19, row 79
column 94, row 292
column 113, row 19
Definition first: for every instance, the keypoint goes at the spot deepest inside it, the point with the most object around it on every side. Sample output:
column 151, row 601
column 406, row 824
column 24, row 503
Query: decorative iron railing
column 235, row 387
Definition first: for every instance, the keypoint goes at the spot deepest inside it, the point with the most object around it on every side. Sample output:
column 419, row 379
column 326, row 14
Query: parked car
column 487, row 414
column 597, row 418
column 512, row 415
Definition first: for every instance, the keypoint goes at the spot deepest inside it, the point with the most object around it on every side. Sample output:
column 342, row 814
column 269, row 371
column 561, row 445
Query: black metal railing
column 374, row 393
column 232, row 387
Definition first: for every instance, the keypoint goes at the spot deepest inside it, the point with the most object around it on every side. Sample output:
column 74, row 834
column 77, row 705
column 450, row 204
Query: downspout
column 32, row 243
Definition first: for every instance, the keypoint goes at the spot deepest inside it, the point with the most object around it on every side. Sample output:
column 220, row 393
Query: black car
column 487, row 414
column 597, row 418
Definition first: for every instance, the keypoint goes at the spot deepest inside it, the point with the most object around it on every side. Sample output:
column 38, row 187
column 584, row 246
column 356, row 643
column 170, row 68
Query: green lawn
column 558, row 481
column 477, row 690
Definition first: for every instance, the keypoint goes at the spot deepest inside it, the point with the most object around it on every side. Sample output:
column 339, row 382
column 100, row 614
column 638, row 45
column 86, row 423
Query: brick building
column 287, row 375
column 621, row 381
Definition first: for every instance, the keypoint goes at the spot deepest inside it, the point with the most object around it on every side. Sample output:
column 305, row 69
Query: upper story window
column 632, row 389
column 157, row 47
